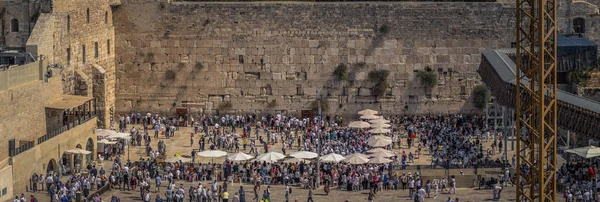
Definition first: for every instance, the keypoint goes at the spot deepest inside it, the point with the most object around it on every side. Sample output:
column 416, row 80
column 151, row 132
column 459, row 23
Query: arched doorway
column 65, row 164
column 77, row 158
column 51, row 168
column 89, row 146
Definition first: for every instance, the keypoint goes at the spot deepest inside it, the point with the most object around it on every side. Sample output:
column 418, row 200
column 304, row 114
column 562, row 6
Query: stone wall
column 11, row 10
column 62, row 35
column 588, row 10
column 242, row 56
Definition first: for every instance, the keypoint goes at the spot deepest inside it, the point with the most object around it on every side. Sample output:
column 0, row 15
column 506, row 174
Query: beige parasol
column 379, row 142
column 380, row 120
column 105, row 141
column 212, row 153
column 332, row 158
column 240, row 157
column 367, row 111
column 380, row 125
column 381, row 154
column 105, row 132
column 378, row 160
column 359, row 124
column 78, row 151
column 126, row 136
column 270, row 157
column 304, row 155
column 294, row 160
column 356, row 159
column 369, row 116
column 379, row 130
column 379, row 150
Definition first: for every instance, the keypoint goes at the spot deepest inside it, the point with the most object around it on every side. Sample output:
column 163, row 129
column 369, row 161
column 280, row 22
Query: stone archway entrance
column 51, row 168
column 89, row 146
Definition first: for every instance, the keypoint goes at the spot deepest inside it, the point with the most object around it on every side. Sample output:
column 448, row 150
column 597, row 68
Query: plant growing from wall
column 225, row 106
column 479, row 96
column 170, row 75
column 341, row 72
column 379, row 77
column 580, row 77
column 315, row 106
column 272, row 104
column 149, row 56
column 199, row 66
column 428, row 77
column 384, row 29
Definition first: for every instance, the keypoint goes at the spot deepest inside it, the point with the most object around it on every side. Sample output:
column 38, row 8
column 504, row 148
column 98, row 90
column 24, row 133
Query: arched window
column 14, row 25
column 106, row 17
column 68, row 23
column 87, row 14
column 579, row 25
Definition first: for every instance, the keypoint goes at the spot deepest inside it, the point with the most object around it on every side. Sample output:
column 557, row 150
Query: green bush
column 225, row 105
column 378, row 75
column 428, row 77
column 272, row 104
column 170, row 75
column 315, row 106
column 380, row 89
column 341, row 72
column 580, row 77
column 479, row 96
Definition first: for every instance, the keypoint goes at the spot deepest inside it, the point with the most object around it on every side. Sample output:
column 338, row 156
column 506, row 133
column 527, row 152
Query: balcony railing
column 67, row 127
column 23, row 148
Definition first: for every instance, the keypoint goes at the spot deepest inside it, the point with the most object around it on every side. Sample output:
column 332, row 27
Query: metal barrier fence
column 23, row 148
column 66, row 128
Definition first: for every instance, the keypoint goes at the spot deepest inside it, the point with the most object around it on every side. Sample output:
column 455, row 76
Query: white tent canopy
column 78, row 151
column 379, row 130
column 105, row 141
column 380, row 120
column 379, row 142
column 126, row 136
column 356, row 159
column 369, row 116
column 270, row 157
column 380, row 125
column 378, row 160
column 585, row 152
column 304, row 155
column 105, row 132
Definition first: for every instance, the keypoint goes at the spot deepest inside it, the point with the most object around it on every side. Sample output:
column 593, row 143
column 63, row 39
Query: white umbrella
column 240, row 157
column 379, row 160
column 369, row 116
column 381, row 120
column 380, row 125
column 294, row 160
column 304, row 155
column 359, row 124
column 78, row 151
column 379, row 142
column 177, row 159
column 381, row 154
column 379, row 150
column 105, row 141
column 332, row 158
column 379, row 130
column 367, row 111
column 270, row 157
column 121, row 136
column 105, row 132
column 356, row 154
column 585, row 152
column 356, row 159
column 212, row 153
column 375, row 137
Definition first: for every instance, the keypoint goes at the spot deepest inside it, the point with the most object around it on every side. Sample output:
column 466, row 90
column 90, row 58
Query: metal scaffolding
column 536, row 103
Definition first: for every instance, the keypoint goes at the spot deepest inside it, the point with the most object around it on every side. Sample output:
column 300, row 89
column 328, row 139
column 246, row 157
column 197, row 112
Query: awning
column 68, row 101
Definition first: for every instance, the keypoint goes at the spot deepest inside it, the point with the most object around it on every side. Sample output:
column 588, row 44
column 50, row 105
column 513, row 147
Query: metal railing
column 23, row 148
column 67, row 127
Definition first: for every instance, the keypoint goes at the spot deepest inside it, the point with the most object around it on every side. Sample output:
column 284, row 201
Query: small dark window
column 108, row 46
column 463, row 90
column 68, row 56
column 106, row 17
column 83, row 53
column 87, row 15
column 241, row 59
column 68, row 23
column 269, row 90
column 14, row 25
column 579, row 25
column 299, row 90
column 95, row 49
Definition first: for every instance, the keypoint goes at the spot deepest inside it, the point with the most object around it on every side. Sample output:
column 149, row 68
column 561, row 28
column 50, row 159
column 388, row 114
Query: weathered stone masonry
column 202, row 55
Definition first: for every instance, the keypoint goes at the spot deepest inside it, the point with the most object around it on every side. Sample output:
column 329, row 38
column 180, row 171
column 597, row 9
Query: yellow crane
column 536, row 104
